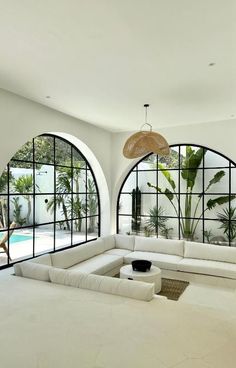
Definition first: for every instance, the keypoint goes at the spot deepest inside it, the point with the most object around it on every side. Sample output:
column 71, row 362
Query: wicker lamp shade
column 144, row 142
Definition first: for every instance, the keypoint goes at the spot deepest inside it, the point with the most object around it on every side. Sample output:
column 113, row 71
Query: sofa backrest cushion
column 35, row 271
column 110, row 285
column 108, row 242
column 209, row 252
column 124, row 241
column 70, row 257
column 158, row 245
column 45, row 259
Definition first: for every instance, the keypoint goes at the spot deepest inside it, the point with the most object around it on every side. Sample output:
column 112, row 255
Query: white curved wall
column 22, row 119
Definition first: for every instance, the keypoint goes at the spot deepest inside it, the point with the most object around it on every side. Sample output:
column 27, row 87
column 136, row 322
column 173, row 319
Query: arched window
column 49, row 200
column 191, row 194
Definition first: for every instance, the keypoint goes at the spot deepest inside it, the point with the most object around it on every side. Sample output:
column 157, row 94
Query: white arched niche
column 100, row 179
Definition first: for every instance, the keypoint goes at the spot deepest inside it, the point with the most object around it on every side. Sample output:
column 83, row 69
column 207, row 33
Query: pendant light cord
column 146, row 123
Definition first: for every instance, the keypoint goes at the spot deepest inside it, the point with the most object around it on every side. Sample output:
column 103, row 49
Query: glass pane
column 79, row 180
column 219, row 180
column 168, row 179
column 170, row 207
column 125, row 204
column 171, row 161
column 214, row 233
column 148, row 163
column 4, row 181
column 231, row 229
column 233, row 180
column 91, row 187
column 78, row 160
column 25, row 153
column 191, row 229
column 125, row 225
column 130, row 182
column 62, row 152
column 21, row 244
column 191, row 205
column 22, row 178
column 21, row 209
column 79, row 206
column 191, row 180
column 79, row 231
column 44, row 209
column 44, row 150
column 4, row 211
column 213, row 159
column 44, row 239
column 191, row 157
column 92, row 224
column 79, row 226
column 63, row 209
column 63, row 234
column 212, row 208
column 170, row 229
column 155, row 224
column 145, row 177
column 44, row 179
column 148, row 201
column 92, row 204
column 63, row 180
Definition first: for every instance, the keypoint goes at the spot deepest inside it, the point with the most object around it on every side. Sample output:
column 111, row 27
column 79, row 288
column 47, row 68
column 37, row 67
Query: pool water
column 15, row 238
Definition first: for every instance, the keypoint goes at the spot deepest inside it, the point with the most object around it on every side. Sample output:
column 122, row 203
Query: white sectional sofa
column 105, row 256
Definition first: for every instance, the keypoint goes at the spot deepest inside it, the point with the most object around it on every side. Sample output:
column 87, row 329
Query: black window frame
column 54, row 164
column 204, row 219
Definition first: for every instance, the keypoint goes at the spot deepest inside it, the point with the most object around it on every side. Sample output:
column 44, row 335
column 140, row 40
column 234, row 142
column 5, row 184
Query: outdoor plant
column 136, row 209
column 208, row 235
column 3, row 200
column 92, row 203
column 17, row 212
column 190, row 165
column 156, row 222
column 228, row 222
column 24, row 186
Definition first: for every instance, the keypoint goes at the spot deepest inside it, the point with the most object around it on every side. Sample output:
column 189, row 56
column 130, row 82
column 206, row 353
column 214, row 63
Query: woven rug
column 172, row 289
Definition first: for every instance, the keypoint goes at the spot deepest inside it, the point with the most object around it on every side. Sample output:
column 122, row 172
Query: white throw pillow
column 35, row 271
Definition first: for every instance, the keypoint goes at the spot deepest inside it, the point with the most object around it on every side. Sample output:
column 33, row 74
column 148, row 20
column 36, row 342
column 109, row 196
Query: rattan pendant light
column 145, row 141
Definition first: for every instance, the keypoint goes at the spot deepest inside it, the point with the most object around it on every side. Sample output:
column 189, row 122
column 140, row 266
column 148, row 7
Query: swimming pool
column 15, row 238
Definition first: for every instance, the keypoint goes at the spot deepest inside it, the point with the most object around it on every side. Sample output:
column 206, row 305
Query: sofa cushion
column 165, row 261
column 45, row 259
column 124, row 241
column 35, row 271
column 131, row 289
column 118, row 252
column 99, row 265
column 206, row 267
column 158, row 245
column 69, row 257
column 209, row 252
column 108, row 242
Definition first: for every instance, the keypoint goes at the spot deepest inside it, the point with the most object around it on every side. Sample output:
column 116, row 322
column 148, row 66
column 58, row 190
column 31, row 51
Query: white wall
column 22, row 119
column 220, row 136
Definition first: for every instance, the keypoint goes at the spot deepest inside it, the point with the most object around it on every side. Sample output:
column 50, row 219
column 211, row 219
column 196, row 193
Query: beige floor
column 45, row 326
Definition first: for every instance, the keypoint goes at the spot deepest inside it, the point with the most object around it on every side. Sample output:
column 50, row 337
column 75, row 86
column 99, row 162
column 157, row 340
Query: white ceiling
column 101, row 60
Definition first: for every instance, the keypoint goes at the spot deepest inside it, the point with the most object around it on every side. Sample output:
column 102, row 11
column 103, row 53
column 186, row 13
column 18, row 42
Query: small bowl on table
column 141, row 265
